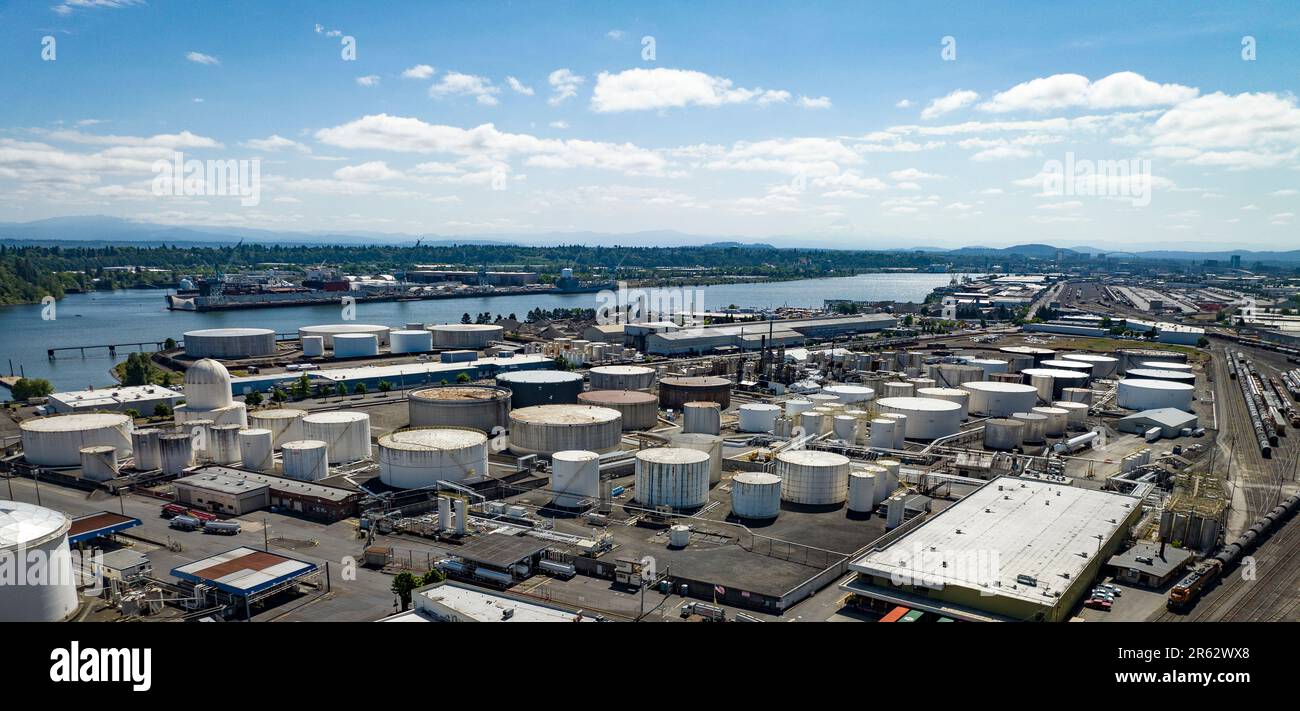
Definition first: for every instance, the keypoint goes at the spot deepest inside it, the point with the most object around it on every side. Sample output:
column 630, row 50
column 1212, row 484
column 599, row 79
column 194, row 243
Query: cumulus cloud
column 458, row 84
column 564, row 85
column 947, row 104
column 519, row 86
column 368, row 80
column 661, row 88
column 419, row 71
column 820, row 102
column 1067, row 91
column 201, row 58
column 274, row 143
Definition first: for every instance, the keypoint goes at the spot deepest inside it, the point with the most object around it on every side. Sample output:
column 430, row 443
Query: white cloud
column 660, row 88
column 615, row 34
column 458, row 84
column 367, row 172
column 820, row 102
column 67, row 7
column 419, row 71
column 559, row 124
column 368, row 80
column 1250, row 130
column 1286, row 192
column 274, row 143
column 1065, row 91
column 564, row 86
column 792, row 156
column 903, row 104
column 519, row 86
column 912, row 174
column 201, row 58
column 947, row 104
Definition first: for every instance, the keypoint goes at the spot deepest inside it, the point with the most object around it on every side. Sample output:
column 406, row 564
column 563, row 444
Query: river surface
column 130, row 316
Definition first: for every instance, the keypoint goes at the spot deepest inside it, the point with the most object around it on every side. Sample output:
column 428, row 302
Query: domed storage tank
column 284, row 423
column 55, row 441
column 327, row 332
column 813, row 477
column 256, row 450
column 709, row 444
column 479, row 407
column 146, row 449
column 531, row 388
column 1061, row 379
column 849, row 394
column 408, row 341
column 621, row 377
column 208, row 396
column 1177, row 376
column 756, row 495
column 927, row 418
column 575, row 477
column 313, row 346
column 702, row 417
column 223, row 444
column 955, row 395
column 1035, row 426
column 1003, row 434
column 547, row 429
column 758, row 417
column 415, row 458
column 230, row 343
column 98, row 462
column 1103, row 366
column 30, row 533
column 306, row 459
column 465, row 336
column 675, row 392
column 1077, row 413
column 176, row 452
column 672, row 476
column 1057, row 420
column 640, row 409
column 898, row 388
column 346, row 433
column 355, row 345
column 1140, row 394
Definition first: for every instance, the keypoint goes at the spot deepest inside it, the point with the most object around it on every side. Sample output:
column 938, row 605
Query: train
column 1184, row 595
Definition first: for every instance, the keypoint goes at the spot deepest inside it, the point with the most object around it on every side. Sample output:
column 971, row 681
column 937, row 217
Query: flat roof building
column 218, row 492
column 1170, row 420
column 451, row 601
column 141, row 398
column 1150, row 565
column 311, row 499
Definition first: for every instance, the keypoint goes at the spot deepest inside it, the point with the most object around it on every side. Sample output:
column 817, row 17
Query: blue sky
column 827, row 124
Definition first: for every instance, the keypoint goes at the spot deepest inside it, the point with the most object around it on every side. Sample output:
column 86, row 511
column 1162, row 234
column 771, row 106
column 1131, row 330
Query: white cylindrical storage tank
column 1035, row 426
column 1057, row 420
column 709, row 444
column 679, row 536
column 410, row 459
column 465, row 336
column 200, row 437
column 756, row 495
column 621, row 377
column 822, row 399
column 404, row 341
column 793, row 408
column 1103, row 366
column 355, row 345
column 479, row 407
column 884, row 433
column 313, row 346
column 1001, row 433
column 849, row 394
column 1077, row 413
column 927, row 418
column 898, row 388
column 284, row 423
column 33, row 535
column 547, row 429
column 56, row 441
column 845, row 427
column 900, row 428
column 230, row 343
column 812, row 422
column 893, row 473
column 952, row 375
column 1042, row 385
column 956, row 395
column 1069, row 364
column 98, row 462
column 175, row 452
column 1166, row 365
column 702, row 418
column 1083, row 395
column 235, row 414
column 990, row 366
column 327, row 332
column 256, row 450
column 812, row 477
column 640, row 409
column 758, row 417
column 862, row 489
column 894, row 506
column 1141, row 394
column 346, row 433
column 146, row 449
column 1177, row 376
column 1061, row 379
column 306, row 459
column 207, row 386
column 223, row 443
column 1018, row 353
column 575, row 477
column 672, row 476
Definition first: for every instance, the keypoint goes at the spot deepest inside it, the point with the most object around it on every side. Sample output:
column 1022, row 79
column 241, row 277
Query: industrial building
column 221, row 493
column 242, row 577
column 102, row 524
column 309, row 499
column 454, row 601
column 141, row 398
column 1171, row 421
column 1150, row 565
column 751, row 336
column 1014, row 549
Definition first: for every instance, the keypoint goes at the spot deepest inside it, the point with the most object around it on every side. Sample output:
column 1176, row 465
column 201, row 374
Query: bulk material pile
column 422, row 457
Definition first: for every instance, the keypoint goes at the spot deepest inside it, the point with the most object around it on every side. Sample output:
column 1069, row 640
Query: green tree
column 359, row 389
column 341, row 390
column 278, row 395
column 431, row 577
column 137, row 370
column 28, row 388
column 403, row 584
column 132, row 413
column 162, row 410
column 463, row 378
column 169, row 344
column 253, row 399
column 385, row 387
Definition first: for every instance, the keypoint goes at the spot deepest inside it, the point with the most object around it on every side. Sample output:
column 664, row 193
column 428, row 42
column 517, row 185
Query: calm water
column 140, row 315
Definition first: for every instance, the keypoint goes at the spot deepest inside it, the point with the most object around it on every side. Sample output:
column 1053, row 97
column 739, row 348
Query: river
column 140, row 315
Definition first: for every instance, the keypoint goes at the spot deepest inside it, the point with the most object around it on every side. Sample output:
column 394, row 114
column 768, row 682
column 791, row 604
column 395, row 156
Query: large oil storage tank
column 1003, row 433
column 884, row 433
column 707, row 443
column 223, row 443
column 957, row 395
column 675, row 392
column 927, row 418
column 313, row 346
column 640, row 409
column 327, row 332
column 1141, row 394
column 256, row 451
column 1143, row 357
column 758, row 417
column 1037, row 354
column 1057, row 419
column 410, row 459
column 306, row 459
column 465, row 336
column 54, row 441
column 1083, row 395
column 230, row 342
column 1077, row 413
column 849, row 394
column 1167, row 365
column 410, row 341
column 813, row 477
column 672, row 476
column 98, row 462
column 1061, row 379
column 1177, row 376
column 575, row 477
column 621, row 377
column 478, row 407
column 990, row 366
column 346, row 433
column 208, row 396
column 547, row 429
column 146, row 449
column 541, row 387
column 796, row 406
column 1035, row 426
column 1103, row 366
column 898, row 388
column 862, row 489
column 30, row 533
column 355, row 345
column 285, row 424
column 702, row 417
column 176, row 452
column 952, row 375
column 756, row 495
column 1069, row 364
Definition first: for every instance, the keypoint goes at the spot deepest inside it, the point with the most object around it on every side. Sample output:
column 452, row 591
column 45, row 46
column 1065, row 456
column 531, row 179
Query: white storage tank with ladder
column 256, row 449
column 415, row 458
column 756, row 495
column 346, row 433
column 307, row 459
column 575, row 477
column 672, row 476
column 813, row 477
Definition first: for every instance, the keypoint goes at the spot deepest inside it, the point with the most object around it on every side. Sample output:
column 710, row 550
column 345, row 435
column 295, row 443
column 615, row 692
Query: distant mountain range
column 100, row 229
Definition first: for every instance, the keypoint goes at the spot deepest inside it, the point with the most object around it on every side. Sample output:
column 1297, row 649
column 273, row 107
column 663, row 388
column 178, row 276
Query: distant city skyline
column 860, row 126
